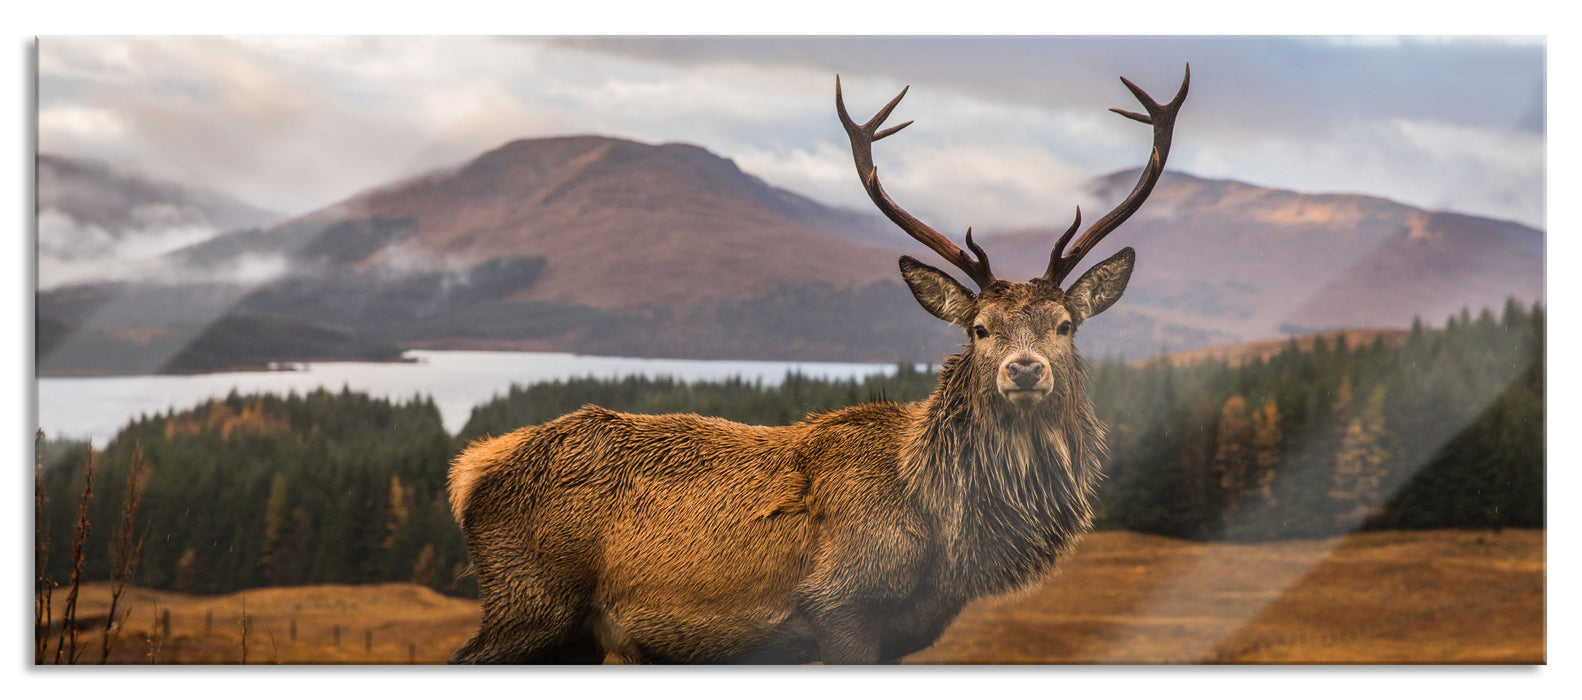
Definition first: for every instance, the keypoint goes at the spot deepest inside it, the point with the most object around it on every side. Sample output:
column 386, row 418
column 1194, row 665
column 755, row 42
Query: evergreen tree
column 274, row 523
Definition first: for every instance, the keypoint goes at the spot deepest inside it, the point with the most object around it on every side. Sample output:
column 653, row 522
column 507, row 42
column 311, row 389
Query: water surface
column 96, row 408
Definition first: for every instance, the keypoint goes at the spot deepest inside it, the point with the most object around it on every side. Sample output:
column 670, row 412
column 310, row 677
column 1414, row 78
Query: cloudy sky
column 1007, row 129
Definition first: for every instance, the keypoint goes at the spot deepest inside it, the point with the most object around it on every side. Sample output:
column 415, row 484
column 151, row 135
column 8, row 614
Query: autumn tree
column 426, row 569
column 1233, row 458
column 1359, row 459
column 1267, row 441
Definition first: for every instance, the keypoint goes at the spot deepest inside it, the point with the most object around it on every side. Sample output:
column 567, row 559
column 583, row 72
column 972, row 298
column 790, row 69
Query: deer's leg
column 530, row 616
column 847, row 637
column 529, row 643
column 859, row 587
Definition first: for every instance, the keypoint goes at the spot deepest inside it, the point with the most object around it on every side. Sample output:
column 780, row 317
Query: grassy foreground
column 1401, row 597
column 1124, row 598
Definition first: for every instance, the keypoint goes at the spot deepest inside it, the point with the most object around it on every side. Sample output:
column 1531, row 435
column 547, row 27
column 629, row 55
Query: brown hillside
column 1252, row 262
column 1436, row 263
column 622, row 224
column 1195, row 233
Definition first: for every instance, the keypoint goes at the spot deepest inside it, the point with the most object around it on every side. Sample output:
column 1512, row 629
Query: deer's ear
column 938, row 292
column 1101, row 286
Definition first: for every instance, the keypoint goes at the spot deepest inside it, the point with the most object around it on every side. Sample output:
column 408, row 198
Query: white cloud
column 736, row 91
column 71, row 252
column 1427, row 164
column 249, row 119
column 61, row 236
column 295, row 123
column 246, row 270
column 823, row 172
column 984, row 185
column 70, row 122
column 1478, row 171
column 481, row 113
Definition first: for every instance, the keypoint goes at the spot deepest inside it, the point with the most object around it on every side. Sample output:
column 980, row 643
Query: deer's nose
column 1025, row 373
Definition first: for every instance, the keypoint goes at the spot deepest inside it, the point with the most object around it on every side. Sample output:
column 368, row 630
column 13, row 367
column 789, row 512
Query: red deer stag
column 854, row 536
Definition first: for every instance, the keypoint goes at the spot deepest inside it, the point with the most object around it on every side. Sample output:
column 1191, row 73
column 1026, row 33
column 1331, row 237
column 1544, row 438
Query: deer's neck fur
column 1009, row 490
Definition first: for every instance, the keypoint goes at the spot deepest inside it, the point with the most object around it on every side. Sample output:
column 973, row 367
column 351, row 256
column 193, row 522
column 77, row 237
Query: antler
column 862, row 138
column 1163, row 119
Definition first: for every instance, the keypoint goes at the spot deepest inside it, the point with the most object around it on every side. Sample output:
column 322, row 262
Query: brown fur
column 852, row 536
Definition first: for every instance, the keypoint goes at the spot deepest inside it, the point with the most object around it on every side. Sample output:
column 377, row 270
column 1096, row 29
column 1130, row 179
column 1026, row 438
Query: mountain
column 1222, row 262
column 95, row 194
column 590, row 244
column 623, row 225
column 607, row 246
column 94, row 219
column 1434, row 264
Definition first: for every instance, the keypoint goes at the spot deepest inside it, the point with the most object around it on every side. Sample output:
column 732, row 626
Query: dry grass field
column 1125, row 598
column 391, row 623
column 1372, row 598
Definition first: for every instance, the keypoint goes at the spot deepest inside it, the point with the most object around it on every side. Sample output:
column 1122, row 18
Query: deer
column 854, row 536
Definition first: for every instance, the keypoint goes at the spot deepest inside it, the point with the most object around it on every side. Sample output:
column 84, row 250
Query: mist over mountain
column 96, row 222
column 623, row 225
column 608, row 246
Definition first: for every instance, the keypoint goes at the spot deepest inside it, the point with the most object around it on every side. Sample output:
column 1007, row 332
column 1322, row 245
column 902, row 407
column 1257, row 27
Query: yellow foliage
column 219, row 417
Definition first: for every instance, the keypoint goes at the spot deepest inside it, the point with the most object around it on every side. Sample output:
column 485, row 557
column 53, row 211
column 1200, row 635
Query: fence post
column 164, row 623
column 368, row 640
column 208, row 622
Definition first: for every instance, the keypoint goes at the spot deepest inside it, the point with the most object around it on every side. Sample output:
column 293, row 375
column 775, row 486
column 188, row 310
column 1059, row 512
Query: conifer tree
column 274, row 522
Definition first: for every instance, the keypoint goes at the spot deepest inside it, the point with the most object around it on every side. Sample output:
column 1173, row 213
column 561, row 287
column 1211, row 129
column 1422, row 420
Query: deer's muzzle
column 1024, row 379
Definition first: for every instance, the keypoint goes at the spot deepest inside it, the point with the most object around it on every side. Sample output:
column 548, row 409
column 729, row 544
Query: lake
column 96, row 408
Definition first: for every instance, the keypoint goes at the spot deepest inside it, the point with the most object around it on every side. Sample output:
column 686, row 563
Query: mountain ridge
column 611, row 246
column 674, row 206
column 97, row 193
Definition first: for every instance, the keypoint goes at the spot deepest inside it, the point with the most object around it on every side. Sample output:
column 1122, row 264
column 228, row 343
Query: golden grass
column 406, row 624
column 1390, row 597
column 1372, row 598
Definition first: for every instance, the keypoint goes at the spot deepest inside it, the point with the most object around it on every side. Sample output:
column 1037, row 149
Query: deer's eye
column 1064, row 329
column 980, row 331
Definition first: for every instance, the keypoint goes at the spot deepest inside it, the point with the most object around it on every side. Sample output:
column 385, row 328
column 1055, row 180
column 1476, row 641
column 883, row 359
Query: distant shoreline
column 272, row 367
